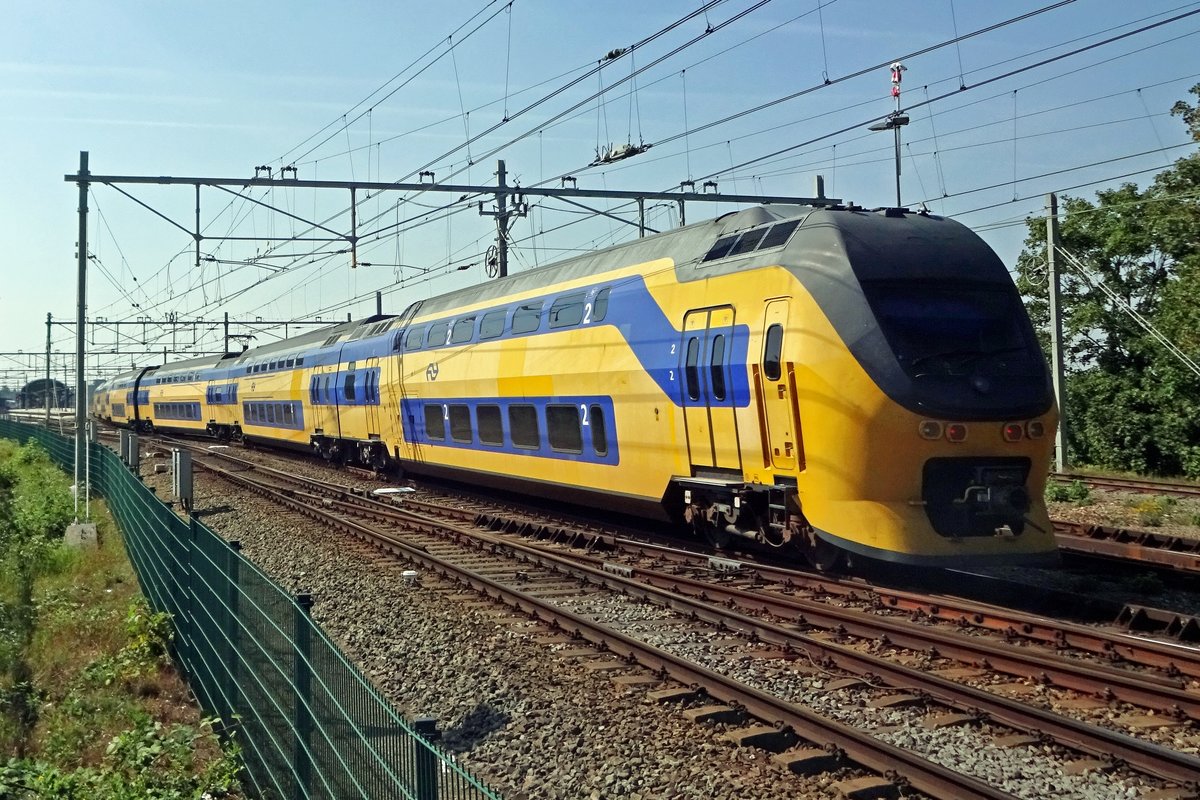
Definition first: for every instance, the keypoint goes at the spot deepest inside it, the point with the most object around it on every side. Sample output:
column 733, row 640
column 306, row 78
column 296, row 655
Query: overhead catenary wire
column 1115, row 298
column 733, row 166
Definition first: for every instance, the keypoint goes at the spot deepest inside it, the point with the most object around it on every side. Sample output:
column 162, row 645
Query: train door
column 777, row 387
column 370, row 396
column 707, row 387
column 323, row 396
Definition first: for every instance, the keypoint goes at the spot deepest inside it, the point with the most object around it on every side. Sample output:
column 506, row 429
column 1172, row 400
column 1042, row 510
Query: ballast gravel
column 535, row 726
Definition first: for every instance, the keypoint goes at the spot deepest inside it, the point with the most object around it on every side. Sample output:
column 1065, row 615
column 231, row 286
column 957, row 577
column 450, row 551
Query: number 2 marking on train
column 584, row 412
column 587, row 317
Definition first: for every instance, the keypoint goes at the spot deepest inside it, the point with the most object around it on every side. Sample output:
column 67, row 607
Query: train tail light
column 956, row 432
column 930, row 429
column 1035, row 429
column 1013, row 432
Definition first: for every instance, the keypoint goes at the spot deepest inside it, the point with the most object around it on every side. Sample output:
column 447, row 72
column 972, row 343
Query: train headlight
column 930, row 429
column 1035, row 429
column 956, row 432
column 1013, row 432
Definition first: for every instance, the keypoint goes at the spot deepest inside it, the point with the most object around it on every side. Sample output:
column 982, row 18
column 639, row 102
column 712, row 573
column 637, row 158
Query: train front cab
column 913, row 430
column 924, row 395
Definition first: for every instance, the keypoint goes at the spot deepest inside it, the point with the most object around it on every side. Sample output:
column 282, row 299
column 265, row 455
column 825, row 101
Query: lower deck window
column 523, row 423
column 599, row 430
column 562, row 428
column 488, row 423
column 460, row 423
column 435, row 421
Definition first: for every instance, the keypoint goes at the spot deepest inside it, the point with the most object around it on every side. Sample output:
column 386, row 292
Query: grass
column 113, row 718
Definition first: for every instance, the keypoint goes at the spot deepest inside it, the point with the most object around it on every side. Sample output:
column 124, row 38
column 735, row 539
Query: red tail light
column 1013, row 432
column 956, row 432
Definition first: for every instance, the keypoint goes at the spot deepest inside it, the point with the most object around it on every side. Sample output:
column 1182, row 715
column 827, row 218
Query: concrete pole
column 1056, row 332
column 80, row 342
column 48, row 323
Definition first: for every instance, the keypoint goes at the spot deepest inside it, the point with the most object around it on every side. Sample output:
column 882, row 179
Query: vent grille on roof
column 762, row 238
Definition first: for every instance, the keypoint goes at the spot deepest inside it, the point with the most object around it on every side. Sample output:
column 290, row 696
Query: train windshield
column 954, row 329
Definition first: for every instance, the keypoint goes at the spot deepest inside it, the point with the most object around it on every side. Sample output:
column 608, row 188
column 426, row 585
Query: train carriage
column 842, row 380
column 833, row 380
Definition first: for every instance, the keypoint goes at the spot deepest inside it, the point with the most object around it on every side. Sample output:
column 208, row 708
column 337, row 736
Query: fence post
column 232, row 630
column 303, row 723
column 426, row 760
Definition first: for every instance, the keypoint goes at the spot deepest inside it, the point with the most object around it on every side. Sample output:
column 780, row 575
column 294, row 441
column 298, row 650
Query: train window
column 435, row 421
column 692, row 369
column 562, row 428
column 600, row 305
column 464, row 329
column 721, row 248
column 778, row 234
column 312, row 390
column 527, row 318
column 348, row 387
column 300, row 361
column 271, row 413
column 492, row 324
column 412, row 340
column 246, row 411
column 772, row 350
column 599, row 430
column 248, row 370
column 487, row 421
column 291, row 362
column 567, row 311
column 329, row 398
column 523, row 424
column 397, row 341
column 437, row 334
column 460, row 423
column 748, row 242
column 717, row 367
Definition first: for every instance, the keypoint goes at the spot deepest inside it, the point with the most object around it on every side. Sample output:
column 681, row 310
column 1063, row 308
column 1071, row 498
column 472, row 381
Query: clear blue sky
column 217, row 88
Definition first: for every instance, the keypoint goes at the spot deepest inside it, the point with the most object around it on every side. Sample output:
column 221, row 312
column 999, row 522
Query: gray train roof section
column 684, row 246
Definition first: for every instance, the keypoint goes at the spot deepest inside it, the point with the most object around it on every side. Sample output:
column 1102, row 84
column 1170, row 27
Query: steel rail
column 1174, row 660
column 1146, row 756
column 1145, row 547
column 1138, row 485
column 860, row 747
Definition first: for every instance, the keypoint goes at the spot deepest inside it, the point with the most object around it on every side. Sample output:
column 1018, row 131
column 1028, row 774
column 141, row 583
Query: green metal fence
column 308, row 722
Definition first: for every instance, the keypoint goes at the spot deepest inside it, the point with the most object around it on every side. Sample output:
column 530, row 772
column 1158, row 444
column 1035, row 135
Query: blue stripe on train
column 597, row 433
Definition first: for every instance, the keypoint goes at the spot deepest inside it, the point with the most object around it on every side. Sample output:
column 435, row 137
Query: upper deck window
column 527, row 318
column 567, row 311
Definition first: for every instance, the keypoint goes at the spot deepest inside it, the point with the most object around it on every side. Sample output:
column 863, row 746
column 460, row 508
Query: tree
column 1131, row 404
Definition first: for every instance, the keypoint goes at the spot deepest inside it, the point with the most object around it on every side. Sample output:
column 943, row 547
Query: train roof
column 680, row 245
column 319, row 337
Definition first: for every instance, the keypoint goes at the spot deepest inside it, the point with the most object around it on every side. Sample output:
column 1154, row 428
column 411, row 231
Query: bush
column 1150, row 511
column 1074, row 492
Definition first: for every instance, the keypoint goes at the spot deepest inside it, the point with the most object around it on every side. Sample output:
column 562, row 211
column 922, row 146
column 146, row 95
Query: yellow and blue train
column 837, row 380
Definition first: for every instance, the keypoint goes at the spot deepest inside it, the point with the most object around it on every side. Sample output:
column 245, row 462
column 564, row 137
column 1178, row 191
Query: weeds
column 1074, row 492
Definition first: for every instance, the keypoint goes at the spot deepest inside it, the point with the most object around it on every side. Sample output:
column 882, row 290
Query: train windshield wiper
column 965, row 355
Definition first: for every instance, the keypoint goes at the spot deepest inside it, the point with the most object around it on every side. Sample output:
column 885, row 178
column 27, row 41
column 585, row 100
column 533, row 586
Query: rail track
column 1138, row 485
column 767, row 605
column 1143, row 548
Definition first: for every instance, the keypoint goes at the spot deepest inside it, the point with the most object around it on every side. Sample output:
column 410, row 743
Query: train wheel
column 825, row 556
column 716, row 536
